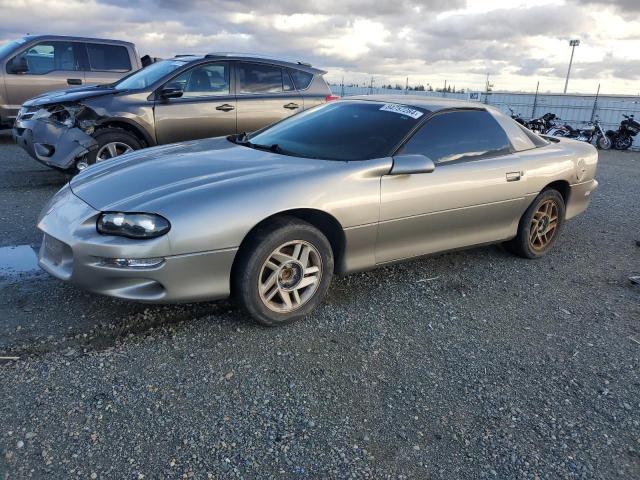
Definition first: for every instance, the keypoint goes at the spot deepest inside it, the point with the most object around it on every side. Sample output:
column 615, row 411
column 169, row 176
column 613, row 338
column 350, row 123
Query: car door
column 106, row 63
column 265, row 95
column 52, row 65
column 207, row 107
column 475, row 195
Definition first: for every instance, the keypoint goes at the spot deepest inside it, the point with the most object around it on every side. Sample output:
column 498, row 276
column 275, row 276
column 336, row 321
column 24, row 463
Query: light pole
column 573, row 44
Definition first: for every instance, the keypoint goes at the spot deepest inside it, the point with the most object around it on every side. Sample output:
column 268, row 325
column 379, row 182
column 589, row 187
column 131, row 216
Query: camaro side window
column 205, row 80
column 459, row 136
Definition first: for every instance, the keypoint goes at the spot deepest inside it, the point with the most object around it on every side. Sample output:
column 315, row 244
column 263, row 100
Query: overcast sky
column 429, row 41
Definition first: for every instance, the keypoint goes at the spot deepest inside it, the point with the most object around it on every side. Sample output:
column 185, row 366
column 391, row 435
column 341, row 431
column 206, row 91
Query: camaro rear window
column 346, row 130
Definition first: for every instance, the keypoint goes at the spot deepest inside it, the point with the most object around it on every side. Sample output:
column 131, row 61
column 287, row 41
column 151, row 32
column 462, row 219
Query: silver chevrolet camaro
column 271, row 216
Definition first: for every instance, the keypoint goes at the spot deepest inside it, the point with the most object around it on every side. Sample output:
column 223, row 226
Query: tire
column 623, row 143
column 105, row 137
column 604, row 142
column 271, row 261
column 526, row 244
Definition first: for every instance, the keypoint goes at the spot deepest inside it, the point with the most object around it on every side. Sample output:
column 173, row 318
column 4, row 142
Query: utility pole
column 573, row 44
column 535, row 101
column 371, row 86
column 342, row 89
column 406, row 87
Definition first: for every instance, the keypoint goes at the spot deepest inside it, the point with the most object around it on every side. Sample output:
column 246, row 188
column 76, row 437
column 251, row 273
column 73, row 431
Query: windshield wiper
column 243, row 139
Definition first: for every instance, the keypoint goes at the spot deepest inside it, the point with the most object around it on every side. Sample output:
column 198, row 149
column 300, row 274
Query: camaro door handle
column 513, row 176
column 225, row 107
column 291, row 106
column 74, row 81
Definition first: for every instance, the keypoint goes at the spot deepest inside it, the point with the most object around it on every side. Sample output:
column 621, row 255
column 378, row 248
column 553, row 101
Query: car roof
column 432, row 104
column 29, row 38
column 256, row 58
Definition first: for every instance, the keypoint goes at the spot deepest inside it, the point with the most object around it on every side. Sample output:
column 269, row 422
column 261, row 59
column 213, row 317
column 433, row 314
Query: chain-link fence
column 576, row 110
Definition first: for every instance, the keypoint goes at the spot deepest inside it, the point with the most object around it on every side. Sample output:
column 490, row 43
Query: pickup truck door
column 52, row 65
column 207, row 108
column 107, row 63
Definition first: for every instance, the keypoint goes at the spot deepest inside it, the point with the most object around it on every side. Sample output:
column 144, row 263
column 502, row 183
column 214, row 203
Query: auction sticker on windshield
column 402, row 110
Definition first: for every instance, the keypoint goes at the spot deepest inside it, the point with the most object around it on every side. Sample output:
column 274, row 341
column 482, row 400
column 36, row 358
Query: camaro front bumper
column 73, row 250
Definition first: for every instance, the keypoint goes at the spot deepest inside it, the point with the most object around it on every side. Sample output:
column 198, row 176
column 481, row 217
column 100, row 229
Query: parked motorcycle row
column 550, row 124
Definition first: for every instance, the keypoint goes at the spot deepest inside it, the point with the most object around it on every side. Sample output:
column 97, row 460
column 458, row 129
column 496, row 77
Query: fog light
column 132, row 262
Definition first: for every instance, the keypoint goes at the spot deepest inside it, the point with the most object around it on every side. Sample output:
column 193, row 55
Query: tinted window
column 46, row 57
column 355, row 130
column 149, row 75
column 301, row 79
column 108, row 58
column 258, row 78
column 455, row 136
column 204, row 80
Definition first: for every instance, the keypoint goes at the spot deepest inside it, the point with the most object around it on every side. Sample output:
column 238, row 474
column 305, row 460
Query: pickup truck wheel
column 112, row 142
column 539, row 226
column 283, row 272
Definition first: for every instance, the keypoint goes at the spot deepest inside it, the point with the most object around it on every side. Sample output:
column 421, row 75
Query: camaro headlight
column 132, row 225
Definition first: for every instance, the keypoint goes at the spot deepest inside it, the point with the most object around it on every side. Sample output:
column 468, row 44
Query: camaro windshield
column 345, row 130
column 149, row 75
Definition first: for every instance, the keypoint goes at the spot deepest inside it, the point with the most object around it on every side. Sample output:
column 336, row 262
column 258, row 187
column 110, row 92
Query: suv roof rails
column 184, row 55
column 254, row 55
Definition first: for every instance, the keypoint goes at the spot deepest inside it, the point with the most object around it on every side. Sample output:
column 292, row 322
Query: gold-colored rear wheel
column 544, row 225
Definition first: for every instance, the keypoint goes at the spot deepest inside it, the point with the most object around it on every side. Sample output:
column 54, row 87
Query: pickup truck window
column 108, row 58
column 50, row 56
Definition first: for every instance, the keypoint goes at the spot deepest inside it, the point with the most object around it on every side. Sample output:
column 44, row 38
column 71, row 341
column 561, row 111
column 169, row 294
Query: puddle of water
column 19, row 259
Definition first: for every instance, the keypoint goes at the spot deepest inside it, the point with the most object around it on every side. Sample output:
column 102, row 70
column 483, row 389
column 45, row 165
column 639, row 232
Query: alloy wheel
column 290, row 276
column 544, row 225
column 111, row 150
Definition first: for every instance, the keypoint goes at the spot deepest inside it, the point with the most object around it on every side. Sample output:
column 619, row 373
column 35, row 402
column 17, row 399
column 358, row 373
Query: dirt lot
column 468, row 365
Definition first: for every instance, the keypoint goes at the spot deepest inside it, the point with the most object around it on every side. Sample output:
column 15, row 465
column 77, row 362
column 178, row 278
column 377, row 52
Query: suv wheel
column 112, row 142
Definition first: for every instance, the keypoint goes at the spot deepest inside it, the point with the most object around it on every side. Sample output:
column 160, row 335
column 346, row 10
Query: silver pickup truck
column 34, row 65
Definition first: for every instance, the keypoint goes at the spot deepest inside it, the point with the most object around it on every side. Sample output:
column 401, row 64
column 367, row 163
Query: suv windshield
column 345, row 130
column 149, row 75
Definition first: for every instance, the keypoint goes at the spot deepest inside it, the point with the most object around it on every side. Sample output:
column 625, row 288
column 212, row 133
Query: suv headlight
column 132, row 225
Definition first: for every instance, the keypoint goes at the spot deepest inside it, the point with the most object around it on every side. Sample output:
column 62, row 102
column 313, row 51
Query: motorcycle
column 595, row 134
column 622, row 138
column 543, row 124
column 517, row 117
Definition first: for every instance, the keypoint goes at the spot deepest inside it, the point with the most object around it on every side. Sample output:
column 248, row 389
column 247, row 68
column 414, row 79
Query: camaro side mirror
column 18, row 65
column 173, row 90
column 406, row 164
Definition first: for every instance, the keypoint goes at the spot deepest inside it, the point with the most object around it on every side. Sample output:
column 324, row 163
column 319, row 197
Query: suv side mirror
column 172, row 90
column 406, row 164
column 18, row 65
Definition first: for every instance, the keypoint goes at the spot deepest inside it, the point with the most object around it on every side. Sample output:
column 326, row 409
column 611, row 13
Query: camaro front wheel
column 283, row 271
column 539, row 226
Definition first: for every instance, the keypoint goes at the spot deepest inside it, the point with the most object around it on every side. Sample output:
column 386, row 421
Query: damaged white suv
column 184, row 98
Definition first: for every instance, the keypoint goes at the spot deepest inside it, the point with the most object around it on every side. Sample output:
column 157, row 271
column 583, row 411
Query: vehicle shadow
column 44, row 315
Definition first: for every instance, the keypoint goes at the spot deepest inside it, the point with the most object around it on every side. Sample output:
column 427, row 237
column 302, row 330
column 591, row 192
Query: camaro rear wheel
column 112, row 142
column 539, row 226
column 283, row 272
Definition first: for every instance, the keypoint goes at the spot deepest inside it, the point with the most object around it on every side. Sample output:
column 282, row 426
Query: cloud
column 427, row 40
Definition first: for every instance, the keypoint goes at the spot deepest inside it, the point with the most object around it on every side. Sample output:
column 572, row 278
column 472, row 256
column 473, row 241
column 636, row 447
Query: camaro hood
column 71, row 95
column 138, row 180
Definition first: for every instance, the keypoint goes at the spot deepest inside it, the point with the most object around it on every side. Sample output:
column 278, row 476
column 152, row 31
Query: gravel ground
column 468, row 365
